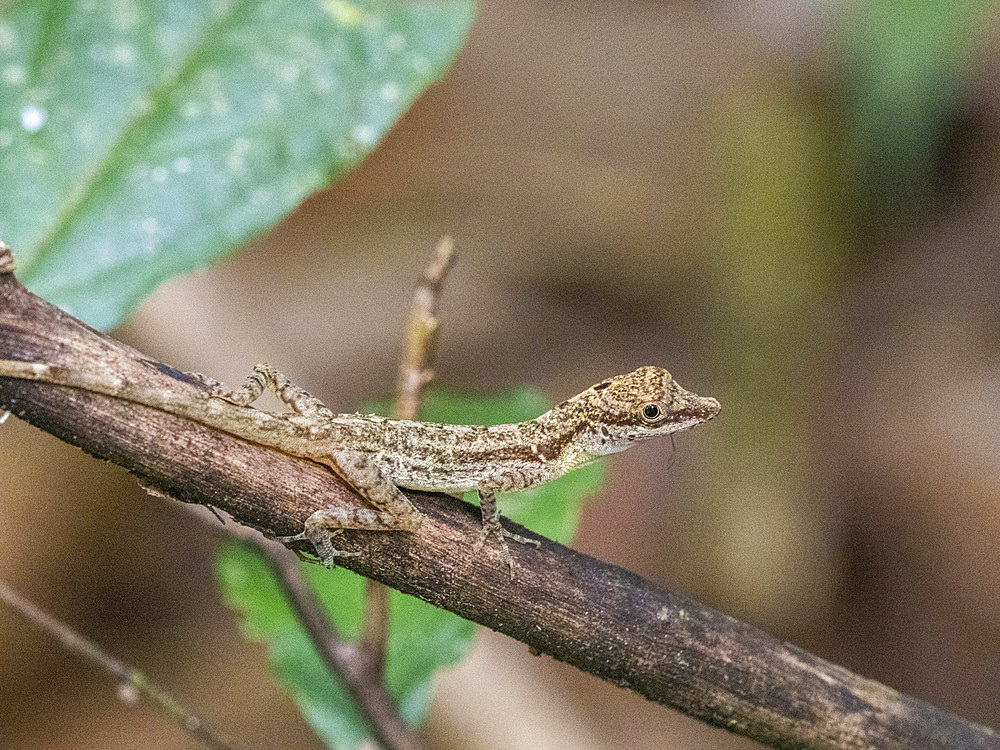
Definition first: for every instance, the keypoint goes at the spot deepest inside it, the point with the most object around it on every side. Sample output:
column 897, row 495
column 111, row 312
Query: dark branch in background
column 598, row 617
column 346, row 662
column 415, row 371
column 131, row 681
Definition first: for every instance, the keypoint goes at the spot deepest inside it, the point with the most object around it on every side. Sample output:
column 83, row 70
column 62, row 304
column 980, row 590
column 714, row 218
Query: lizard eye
column 652, row 411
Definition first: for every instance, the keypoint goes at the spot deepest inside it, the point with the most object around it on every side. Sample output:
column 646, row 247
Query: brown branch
column 415, row 371
column 598, row 617
column 132, row 682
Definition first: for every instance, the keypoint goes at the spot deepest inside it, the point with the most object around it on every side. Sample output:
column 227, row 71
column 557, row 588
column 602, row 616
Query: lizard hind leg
column 364, row 474
column 266, row 376
column 326, row 523
column 394, row 512
column 492, row 525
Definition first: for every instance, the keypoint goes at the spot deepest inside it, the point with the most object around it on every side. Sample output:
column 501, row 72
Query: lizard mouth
column 694, row 411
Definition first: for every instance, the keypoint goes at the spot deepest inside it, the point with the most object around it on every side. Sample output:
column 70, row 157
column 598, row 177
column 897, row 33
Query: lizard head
column 643, row 404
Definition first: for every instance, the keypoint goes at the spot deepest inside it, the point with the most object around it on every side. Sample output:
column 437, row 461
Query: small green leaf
column 422, row 638
column 144, row 139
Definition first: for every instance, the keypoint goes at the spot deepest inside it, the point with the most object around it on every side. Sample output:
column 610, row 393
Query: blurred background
column 792, row 206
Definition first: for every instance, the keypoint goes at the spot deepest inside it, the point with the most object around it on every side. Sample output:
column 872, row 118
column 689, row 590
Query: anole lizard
column 376, row 456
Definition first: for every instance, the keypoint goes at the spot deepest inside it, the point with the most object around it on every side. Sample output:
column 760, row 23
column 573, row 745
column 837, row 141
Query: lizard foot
column 321, row 538
column 494, row 527
column 326, row 523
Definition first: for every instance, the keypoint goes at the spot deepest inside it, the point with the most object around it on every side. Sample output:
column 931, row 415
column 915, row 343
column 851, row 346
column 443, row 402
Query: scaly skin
column 376, row 455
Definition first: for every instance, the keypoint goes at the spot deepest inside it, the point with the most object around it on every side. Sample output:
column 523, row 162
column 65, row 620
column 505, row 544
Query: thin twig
column 345, row 661
column 132, row 682
column 415, row 366
column 415, row 371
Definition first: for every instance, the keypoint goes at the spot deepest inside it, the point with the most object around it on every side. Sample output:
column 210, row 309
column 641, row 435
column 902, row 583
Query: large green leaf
column 142, row 139
column 422, row 638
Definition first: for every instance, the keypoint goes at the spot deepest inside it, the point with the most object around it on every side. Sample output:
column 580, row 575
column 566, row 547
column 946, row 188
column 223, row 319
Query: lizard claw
column 321, row 540
column 502, row 536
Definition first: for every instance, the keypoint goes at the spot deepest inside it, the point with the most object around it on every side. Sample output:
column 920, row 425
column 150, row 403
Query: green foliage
column 422, row 638
column 905, row 65
column 141, row 140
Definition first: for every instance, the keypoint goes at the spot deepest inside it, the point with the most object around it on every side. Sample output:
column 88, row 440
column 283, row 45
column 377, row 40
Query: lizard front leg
column 492, row 525
column 265, row 376
column 393, row 510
